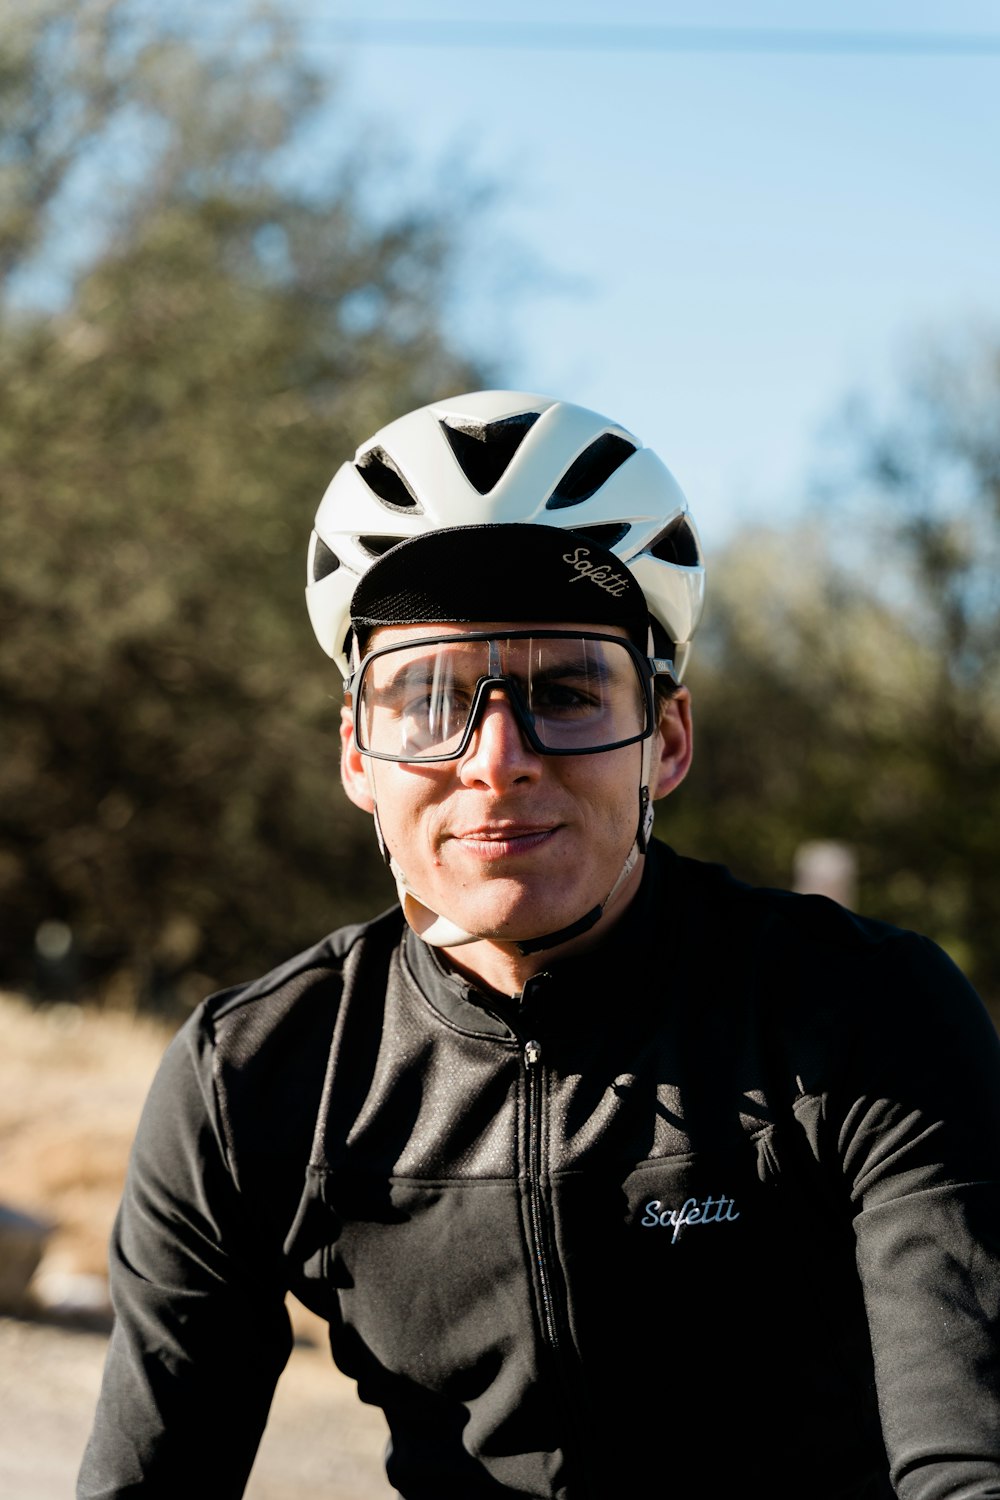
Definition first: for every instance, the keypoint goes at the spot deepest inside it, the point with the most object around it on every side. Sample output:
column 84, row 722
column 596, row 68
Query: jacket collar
column 637, row 942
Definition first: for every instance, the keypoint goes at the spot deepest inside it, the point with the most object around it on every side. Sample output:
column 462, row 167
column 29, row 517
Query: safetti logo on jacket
column 709, row 1211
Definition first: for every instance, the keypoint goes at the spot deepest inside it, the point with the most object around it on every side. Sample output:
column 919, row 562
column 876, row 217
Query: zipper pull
column 532, row 1053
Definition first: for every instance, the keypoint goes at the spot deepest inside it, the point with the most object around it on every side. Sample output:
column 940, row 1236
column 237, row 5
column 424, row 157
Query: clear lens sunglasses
column 572, row 692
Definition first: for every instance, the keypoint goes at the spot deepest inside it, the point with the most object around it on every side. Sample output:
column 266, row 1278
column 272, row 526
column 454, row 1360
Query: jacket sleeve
column 919, row 1142
column 201, row 1330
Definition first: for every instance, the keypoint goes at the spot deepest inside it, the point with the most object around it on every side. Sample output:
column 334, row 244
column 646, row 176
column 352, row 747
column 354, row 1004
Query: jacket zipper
column 537, row 1213
column 538, row 1216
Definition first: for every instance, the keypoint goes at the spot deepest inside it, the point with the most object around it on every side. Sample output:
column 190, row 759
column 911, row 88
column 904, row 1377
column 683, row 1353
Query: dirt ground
column 320, row 1444
column 72, row 1083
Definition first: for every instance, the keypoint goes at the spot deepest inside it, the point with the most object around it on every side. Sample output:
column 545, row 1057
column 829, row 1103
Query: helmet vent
column 376, row 545
column 677, row 544
column 324, row 562
column 384, row 479
column 587, row 473
column 609, row 535
column 484, row 449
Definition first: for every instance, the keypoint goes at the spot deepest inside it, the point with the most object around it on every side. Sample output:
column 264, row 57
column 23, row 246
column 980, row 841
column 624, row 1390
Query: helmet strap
column 440, row 932
column 431, row 926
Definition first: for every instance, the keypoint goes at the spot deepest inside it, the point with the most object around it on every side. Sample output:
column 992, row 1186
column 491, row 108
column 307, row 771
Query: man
column 611, row 1174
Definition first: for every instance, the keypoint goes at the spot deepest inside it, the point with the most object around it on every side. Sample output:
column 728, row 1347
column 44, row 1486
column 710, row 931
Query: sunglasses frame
column 648, row 668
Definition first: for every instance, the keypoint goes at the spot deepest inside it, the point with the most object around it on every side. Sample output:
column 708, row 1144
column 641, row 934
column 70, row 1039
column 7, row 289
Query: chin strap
column 440, row 932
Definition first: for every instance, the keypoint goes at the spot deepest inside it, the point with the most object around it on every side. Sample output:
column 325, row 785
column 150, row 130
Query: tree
column 930, row 471
column 221, row 338
column 846, row 683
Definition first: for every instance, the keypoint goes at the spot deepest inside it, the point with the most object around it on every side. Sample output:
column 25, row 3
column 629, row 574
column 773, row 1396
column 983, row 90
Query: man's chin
column 520, row 922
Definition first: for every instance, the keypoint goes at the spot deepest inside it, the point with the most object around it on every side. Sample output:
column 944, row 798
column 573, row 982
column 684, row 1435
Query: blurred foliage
column 847, row 678
column 191, row 340
column 220, row 341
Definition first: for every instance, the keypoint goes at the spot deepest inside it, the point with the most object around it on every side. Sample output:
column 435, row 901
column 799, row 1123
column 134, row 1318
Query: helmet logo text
column 599, row 573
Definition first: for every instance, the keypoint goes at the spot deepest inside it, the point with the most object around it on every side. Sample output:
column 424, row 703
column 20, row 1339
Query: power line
column 583, row 37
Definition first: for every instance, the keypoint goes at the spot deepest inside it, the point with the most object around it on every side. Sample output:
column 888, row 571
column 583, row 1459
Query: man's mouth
column 501, row 842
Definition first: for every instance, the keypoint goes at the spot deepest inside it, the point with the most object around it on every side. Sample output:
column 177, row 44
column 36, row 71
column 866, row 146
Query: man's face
column 504, row 842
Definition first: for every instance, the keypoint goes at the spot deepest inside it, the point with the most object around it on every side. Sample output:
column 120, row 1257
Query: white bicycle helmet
column 494, row 457
column 433, row 520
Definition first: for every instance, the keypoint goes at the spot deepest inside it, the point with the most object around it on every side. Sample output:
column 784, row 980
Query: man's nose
column 499, row 754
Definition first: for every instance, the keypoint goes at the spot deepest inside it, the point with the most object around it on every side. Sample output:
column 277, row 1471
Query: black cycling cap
column 516, row 572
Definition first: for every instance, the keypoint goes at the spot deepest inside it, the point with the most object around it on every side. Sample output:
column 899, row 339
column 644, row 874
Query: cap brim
column 516, row 573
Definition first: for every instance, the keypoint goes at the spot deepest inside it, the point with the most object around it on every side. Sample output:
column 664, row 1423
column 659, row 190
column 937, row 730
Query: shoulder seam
column 324, row 958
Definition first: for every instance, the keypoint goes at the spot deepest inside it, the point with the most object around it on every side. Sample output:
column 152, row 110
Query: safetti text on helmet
column 598, row 573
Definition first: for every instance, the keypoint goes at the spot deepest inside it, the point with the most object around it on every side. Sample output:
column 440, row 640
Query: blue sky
column 712, row 247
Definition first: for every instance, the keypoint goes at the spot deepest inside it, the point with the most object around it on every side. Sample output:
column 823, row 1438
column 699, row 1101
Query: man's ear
column 673, row 744
column 353, row 769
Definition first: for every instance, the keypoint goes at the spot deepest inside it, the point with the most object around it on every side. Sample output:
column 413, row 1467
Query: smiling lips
column 501, row 842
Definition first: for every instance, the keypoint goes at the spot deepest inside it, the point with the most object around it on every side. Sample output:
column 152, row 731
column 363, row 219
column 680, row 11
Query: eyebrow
column 558, row 671
column 419, row 671
column 595, row 666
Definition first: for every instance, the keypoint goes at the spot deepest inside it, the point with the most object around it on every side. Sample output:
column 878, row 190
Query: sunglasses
column 572, row 692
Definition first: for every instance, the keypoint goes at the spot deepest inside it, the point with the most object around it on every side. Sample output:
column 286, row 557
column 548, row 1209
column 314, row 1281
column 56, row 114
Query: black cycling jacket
column 712, row 1209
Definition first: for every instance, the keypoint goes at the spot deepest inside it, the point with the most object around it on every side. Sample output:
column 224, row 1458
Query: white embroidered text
column 599, row 573
column 708, row 1211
